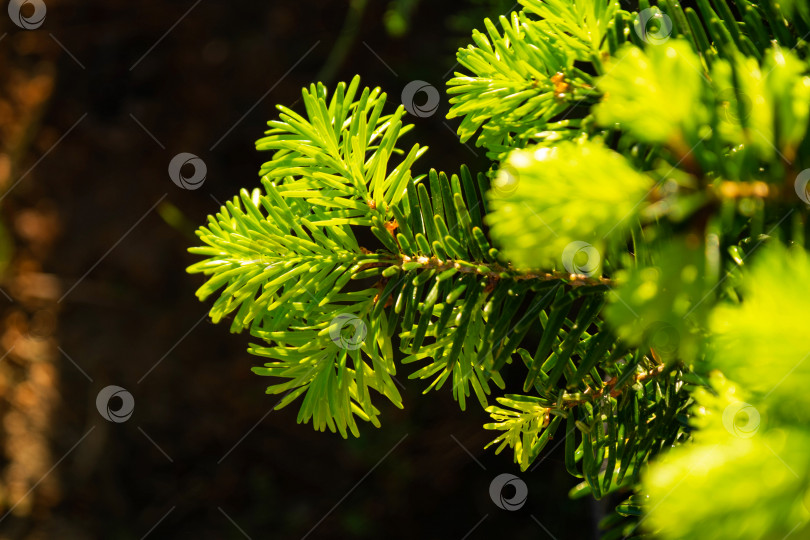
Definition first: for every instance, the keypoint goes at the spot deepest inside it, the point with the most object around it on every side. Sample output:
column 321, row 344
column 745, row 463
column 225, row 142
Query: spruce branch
column 640, row 160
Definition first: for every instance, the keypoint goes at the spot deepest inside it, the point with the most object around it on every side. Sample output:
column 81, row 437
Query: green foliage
column 283, row 257
column 761, row 343
column 749, row 454
column 515, row 89
column 640, row 161
column 525, row 427
column 752, row 488
column 638, row 92
column 547, row 196
column 338, row 157
column 663, row 305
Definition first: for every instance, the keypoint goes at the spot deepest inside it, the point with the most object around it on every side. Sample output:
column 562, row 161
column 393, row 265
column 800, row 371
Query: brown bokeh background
column 94, row 289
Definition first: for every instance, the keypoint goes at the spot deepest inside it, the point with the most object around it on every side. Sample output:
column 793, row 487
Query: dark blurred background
column 95, row 102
